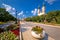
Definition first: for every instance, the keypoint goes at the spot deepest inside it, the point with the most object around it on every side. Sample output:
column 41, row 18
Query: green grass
column 55, row 24
column 2, row 23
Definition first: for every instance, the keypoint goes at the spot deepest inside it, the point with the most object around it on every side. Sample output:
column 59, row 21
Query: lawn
column 2, row 23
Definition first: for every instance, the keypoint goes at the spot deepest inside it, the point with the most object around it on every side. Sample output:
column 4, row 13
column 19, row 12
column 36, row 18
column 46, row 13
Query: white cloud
column 24, row 16
column 9, row 8
column 13, row 8
column 21, row 13
column 12, row 12
column 34, row 11
column 50, row 1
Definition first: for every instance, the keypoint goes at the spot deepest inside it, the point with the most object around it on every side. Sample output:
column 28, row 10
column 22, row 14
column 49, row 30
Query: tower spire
column 43, row 4
column 38, row 10
column 43, row 8
column 38, row 7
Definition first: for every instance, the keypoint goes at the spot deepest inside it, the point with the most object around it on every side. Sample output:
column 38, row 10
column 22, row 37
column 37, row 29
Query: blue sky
column 24, row 8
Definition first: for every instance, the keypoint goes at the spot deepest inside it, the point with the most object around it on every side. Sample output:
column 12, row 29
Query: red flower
column 16, row 31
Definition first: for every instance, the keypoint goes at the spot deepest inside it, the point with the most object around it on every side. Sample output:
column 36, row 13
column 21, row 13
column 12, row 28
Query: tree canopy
column 52, row 17
column 5, row 16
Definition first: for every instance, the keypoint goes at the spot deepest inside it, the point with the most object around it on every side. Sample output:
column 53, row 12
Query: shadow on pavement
column 45, row 38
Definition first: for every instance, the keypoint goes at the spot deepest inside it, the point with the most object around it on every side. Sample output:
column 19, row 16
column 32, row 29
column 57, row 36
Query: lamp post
column 16, row 17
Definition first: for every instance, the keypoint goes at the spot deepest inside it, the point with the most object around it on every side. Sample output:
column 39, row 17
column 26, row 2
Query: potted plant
column 38, row 32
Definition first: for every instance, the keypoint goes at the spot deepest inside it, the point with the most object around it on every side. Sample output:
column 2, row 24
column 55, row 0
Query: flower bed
column 16, row 31
column 7, row 35
column 10, row 33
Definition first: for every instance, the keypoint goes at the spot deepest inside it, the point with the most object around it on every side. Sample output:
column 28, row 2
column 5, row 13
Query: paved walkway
column 52, row 31
column 27, row 36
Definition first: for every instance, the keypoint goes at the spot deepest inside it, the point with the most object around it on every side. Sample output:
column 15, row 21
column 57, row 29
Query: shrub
column 7, row 35
column 1, row 30
column 37, row 29
column 11, row 27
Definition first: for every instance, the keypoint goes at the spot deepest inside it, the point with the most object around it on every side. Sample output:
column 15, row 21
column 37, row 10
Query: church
column 41, row 12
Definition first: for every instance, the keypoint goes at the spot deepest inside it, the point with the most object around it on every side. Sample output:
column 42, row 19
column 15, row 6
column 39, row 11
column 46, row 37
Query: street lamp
column 16, row 17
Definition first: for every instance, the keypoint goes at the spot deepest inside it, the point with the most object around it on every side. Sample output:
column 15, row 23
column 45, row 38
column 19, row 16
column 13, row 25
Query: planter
column 38, row 32
column 35, row 35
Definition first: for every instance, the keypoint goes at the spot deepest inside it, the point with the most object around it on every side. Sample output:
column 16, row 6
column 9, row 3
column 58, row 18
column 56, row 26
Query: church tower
column 38, row 10
column 43, row 9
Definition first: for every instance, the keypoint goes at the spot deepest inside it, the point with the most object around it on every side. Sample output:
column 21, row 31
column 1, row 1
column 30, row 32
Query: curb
column 48, row 25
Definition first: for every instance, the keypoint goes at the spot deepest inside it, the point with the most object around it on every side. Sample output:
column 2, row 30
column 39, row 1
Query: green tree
column 5, row 16
column 53, row 16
